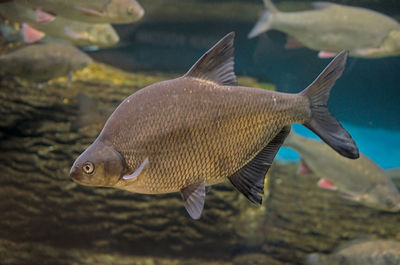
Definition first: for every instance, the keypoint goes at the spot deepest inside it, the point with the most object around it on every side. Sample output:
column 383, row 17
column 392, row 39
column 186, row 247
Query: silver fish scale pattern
column 192, row 130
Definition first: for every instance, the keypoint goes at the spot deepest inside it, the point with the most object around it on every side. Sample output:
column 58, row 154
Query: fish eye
column 131, row 10
column 88, row 167
column 390, row 204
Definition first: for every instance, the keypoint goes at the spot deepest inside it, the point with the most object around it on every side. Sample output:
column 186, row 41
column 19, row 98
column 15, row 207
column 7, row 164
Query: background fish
column 360, row 180
column 393, row 172
column 41, row 62
column 331, row 28
column 90, row 114
column 78, row 33
column 360, row 252
column 99, row 11
column 197, row 130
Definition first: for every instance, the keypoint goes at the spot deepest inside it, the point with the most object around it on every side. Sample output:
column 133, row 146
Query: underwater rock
column 255, row 259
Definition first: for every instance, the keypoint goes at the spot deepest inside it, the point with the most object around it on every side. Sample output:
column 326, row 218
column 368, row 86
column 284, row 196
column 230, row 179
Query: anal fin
column 292, row 43
column 194, row 196
column 249, row 180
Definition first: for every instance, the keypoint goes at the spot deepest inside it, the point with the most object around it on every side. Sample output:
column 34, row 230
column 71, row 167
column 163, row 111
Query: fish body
column 361, row 180
column 393, row 173
column 99, row 11
column 331, row 28
column 41, row 62
column 360, row 252
column 197, row 130
column 191, row 132
column 78, row 33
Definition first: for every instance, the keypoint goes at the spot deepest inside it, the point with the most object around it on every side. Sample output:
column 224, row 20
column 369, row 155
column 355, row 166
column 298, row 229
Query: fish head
column 80, row 61
column 99, row 165
column 103, row 35
column 383, row 197
column 125, row 10
column 393, row 42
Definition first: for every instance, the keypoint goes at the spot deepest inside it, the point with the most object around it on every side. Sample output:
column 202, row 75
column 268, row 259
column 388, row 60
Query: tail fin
column 269, row 5
column 322, row 122
column 264, row 23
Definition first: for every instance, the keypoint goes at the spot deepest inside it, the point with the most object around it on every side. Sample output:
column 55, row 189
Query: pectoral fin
column 369, row 52
column 325, row 54
column 89, row 12
column 139, row 170
column 74, row 34
column 249, row 180
column 356, row 197
column 326, row 184
column 193, row 197
column 42, row 16
column 30, row 34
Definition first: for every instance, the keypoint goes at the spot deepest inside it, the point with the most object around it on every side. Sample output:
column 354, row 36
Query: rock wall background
column 48, row 219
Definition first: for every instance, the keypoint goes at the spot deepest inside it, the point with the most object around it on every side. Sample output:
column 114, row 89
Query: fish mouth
column 75, row 175
column 395, row 208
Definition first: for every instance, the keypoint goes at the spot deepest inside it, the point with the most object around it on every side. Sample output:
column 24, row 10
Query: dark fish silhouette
column 360, row 180
column 42, row 62
column 76, row 32
column 360, row 252
column 330, row 28
column 197, row 130
column 99, row 11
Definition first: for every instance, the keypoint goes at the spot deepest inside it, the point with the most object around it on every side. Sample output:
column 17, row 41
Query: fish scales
column 205, row 132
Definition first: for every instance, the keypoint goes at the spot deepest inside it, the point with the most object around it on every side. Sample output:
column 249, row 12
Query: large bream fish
column 331, row 28
column 197, row 130
column 360, row 180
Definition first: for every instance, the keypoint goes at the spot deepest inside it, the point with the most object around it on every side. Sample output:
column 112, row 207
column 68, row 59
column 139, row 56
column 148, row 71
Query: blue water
column 382, row 146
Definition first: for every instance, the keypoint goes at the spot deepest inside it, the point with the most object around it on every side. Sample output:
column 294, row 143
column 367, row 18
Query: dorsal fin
column 319, row 5
column 217, row 64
